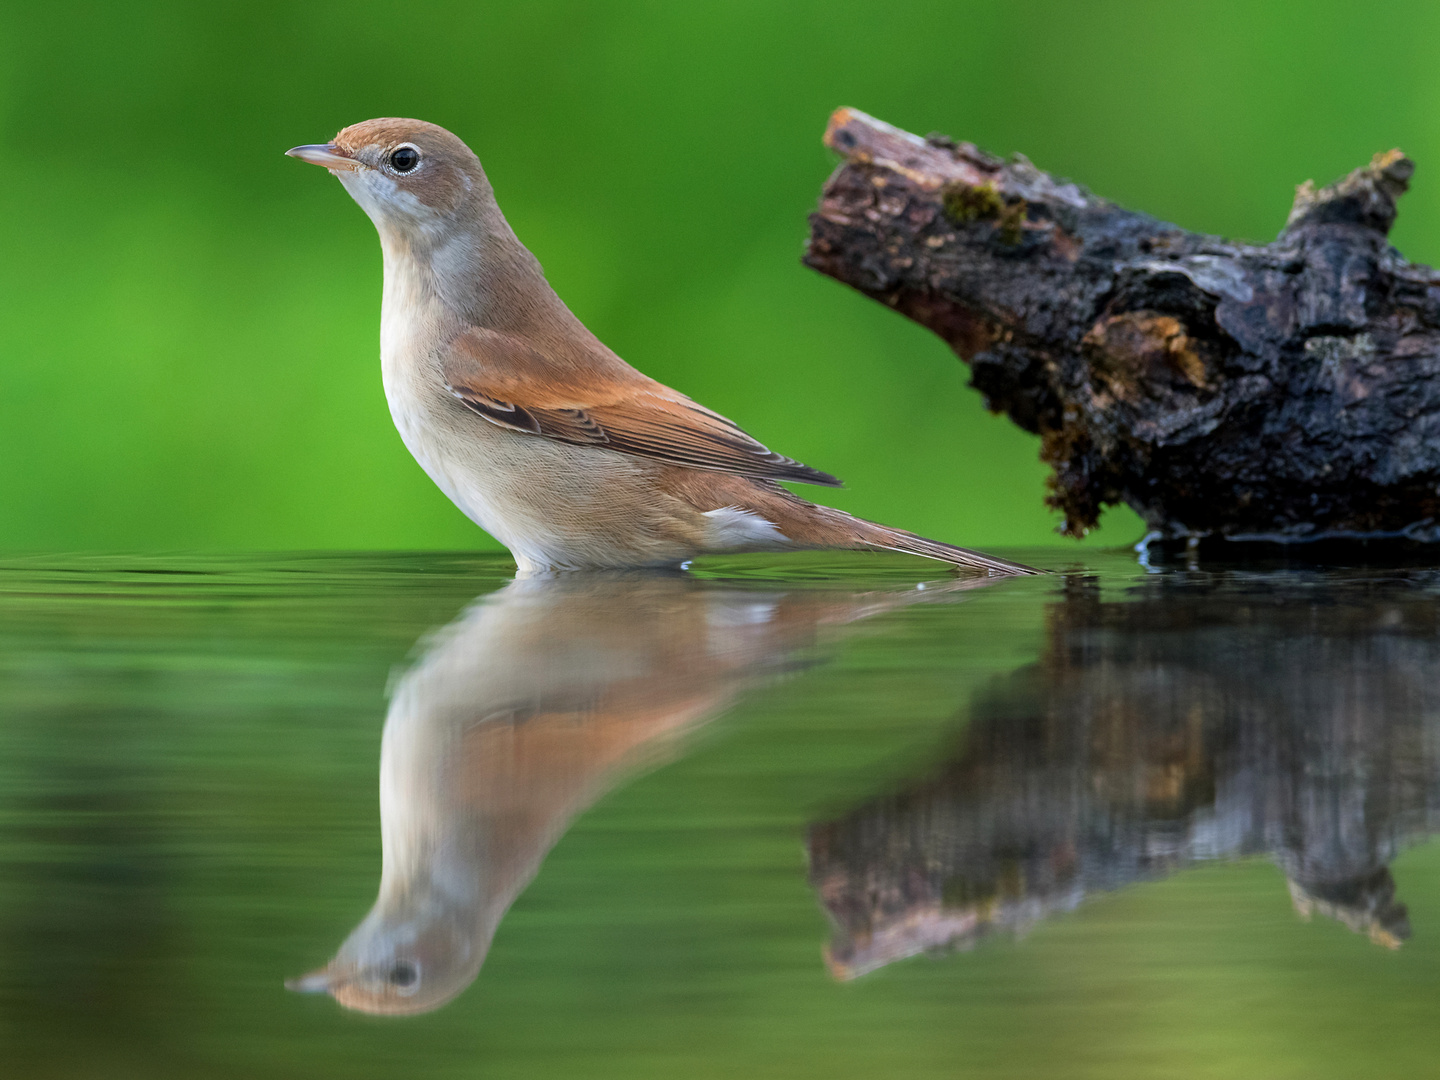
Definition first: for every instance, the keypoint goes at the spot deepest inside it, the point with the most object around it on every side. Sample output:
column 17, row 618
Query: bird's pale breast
column 555, row 506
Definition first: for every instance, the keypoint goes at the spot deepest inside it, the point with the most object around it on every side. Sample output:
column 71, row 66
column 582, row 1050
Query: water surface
column 831, row 816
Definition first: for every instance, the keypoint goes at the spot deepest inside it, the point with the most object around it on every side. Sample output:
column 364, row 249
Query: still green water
column 784, row 818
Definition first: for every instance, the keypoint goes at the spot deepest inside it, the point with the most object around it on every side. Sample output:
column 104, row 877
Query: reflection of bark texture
column 1192, row 720
column 521, row 714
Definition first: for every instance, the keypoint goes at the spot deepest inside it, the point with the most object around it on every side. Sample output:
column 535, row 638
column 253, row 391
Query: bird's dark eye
column 404, row 159
column 404, row 974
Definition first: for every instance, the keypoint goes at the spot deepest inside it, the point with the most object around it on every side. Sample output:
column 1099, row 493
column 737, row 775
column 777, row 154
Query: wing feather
column 502, row 380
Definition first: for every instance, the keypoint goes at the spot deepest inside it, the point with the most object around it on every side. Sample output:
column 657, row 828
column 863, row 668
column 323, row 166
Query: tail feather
column 769, row 518
column 910, row 544
column 839, row 529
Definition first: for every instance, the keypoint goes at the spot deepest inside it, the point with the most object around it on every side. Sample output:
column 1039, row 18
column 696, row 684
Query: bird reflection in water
column 524, row 711
column 1196, row 718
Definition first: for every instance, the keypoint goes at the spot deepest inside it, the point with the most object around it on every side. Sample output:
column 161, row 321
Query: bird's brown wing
column 509, row 384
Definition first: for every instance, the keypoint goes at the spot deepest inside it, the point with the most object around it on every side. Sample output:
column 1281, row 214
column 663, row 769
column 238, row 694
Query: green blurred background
column 190, row 320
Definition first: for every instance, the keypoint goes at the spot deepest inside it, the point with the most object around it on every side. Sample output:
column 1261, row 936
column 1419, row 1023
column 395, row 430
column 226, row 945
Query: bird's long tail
column 888, row 539
column 809, row 525
column 909, row 543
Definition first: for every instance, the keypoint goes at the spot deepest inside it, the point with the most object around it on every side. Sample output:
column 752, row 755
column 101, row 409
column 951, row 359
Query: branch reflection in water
column 1197, row 717
column 528, row 708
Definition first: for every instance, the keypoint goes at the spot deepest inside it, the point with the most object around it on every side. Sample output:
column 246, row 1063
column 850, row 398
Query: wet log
column 1287, row 391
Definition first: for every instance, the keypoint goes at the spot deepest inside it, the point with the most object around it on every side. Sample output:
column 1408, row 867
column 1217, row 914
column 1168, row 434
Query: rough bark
column 1288, row 391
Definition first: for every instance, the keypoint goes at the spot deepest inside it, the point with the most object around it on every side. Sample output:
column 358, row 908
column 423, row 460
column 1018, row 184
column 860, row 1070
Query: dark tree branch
column 1288, row 391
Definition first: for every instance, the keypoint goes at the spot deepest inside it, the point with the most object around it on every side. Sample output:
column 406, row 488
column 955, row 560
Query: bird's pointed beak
column 326, row 155
column 314, row 982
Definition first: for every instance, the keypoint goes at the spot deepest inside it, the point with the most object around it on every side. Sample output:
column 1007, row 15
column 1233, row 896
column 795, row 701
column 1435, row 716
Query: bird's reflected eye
column 404, row 158
column 404, row 975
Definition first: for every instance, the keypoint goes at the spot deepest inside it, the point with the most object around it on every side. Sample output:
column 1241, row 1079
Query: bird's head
column 398, row 966
column 414, row 179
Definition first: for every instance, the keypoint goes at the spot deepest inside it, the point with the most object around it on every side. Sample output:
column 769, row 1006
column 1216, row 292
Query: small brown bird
column 539, row 433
